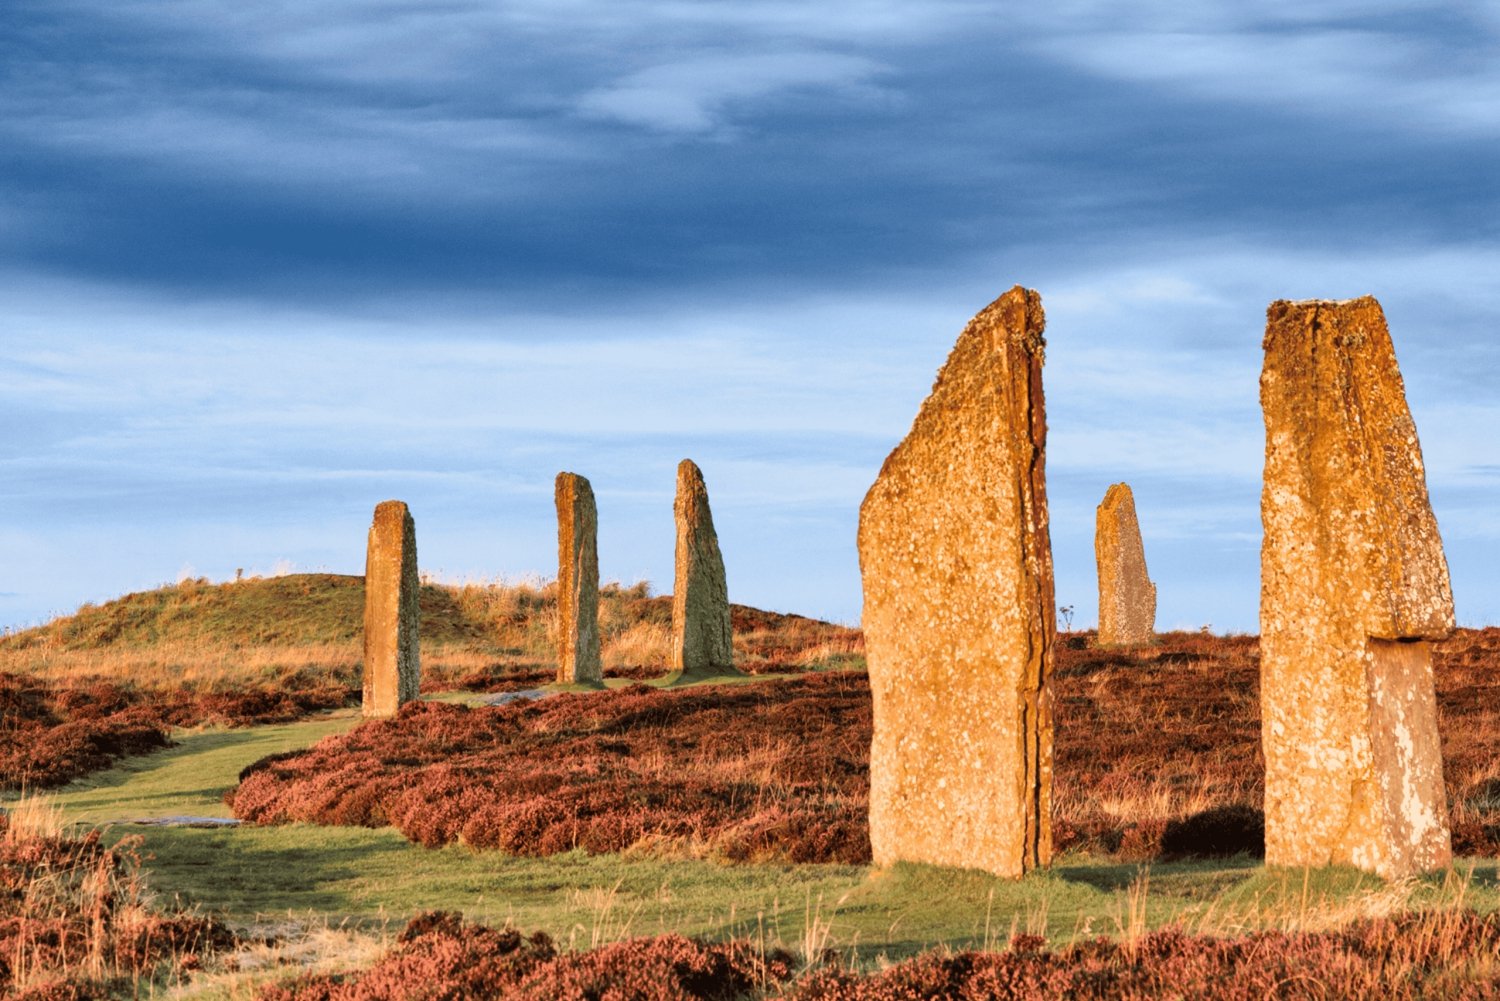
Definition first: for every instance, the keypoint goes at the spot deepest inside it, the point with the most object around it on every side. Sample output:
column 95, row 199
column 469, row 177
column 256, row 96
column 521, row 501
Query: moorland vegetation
column 84, row 690
column 1157, row 759
column 76, row 919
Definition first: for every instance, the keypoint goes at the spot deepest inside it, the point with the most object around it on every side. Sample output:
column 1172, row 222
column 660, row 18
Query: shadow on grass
column 1481, row 872
column 1108, row 877
column 1188, row 877
column 232, row 867
column 694, row 678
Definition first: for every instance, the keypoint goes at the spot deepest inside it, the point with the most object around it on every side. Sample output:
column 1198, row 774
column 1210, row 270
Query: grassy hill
column 290, row 610
column 267, row 629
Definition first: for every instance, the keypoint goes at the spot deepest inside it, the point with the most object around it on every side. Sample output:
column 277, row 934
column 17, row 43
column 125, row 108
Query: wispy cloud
column 694, row 95
column 264, row 264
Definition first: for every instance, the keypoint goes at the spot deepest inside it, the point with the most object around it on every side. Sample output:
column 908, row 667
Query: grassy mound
column 307, row 628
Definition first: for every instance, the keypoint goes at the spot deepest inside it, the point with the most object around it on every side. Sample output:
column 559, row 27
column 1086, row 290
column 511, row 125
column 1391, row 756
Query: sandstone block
column 1127, row 598
column 701, row 636
column 392, row 668
column 1354, row 587
column 578, row 660
column 959, row 620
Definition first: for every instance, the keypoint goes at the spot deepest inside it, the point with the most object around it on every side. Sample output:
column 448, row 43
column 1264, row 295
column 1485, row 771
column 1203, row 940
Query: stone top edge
column 1324, row 302
column 1018, row 315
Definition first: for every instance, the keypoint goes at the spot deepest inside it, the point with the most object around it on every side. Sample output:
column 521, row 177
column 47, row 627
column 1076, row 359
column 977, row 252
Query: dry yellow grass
column 33, row 816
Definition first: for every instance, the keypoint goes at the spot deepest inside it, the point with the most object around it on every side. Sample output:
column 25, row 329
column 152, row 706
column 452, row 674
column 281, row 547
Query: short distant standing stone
column 1354, row 587
column 392, row 666
column 1127, row 598
column 577, row 583
column 701, row 637
column 958, row 615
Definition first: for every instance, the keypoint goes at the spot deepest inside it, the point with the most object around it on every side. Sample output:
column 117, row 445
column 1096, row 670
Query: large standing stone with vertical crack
column 701, row 637
column 958, row 613
column 1127, row 598
column 393, row 672
column 577, row 583
column 1354, row 587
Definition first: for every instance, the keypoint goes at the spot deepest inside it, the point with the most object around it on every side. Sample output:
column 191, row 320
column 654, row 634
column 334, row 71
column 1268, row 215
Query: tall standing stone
column 578, row 660
column 1354, row 588
column 702, row 642
column 958, row 612
column 393, row 673
column 1127, row 598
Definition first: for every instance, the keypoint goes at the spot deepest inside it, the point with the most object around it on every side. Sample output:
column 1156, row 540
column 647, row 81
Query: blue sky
column 265, row 265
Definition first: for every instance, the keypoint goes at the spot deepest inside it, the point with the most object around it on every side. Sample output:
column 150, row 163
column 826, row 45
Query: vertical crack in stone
column 956, row 560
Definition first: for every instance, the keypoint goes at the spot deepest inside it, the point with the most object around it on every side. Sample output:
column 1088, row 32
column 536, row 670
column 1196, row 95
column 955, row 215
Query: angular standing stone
column 577, row 583
column 1354, row 587
column 958, row 613
column 701, row 637
column 393, row 671
column 1127, row 598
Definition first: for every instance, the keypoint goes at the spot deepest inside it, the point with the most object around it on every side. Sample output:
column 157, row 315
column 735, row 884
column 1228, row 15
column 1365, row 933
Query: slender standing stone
column 1354, row 588
column 393, row 673
column 1127, row 598
column 958, row 614
column 701, row 638
column 577, row 583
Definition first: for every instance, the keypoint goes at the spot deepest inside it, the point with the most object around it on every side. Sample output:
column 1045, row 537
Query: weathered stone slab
column 959, row 617
column 702, row 641
column 578, row 661
column 392, row 668
column 1354, row 587
column 1127, row 598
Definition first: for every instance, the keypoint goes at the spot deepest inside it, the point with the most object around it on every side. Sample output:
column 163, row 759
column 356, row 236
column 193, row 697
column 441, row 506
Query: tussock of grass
column 76, row 920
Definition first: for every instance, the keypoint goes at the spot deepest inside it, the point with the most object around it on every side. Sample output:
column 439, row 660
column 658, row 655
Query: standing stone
column 701, row 637
column 1127, row 598
column 1354, row 589
column 958, row 612
column 393, row 672
column 577, row 583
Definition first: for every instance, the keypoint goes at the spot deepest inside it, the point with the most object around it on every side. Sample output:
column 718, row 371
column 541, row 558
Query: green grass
column 375, row 877
column 191, row 778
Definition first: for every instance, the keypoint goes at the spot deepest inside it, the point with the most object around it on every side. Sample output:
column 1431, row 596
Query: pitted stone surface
column 701, row 636
column 959, row 620
column 578, row 660
column 392, row 669
column 1127, row 598
column 1354, row 586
